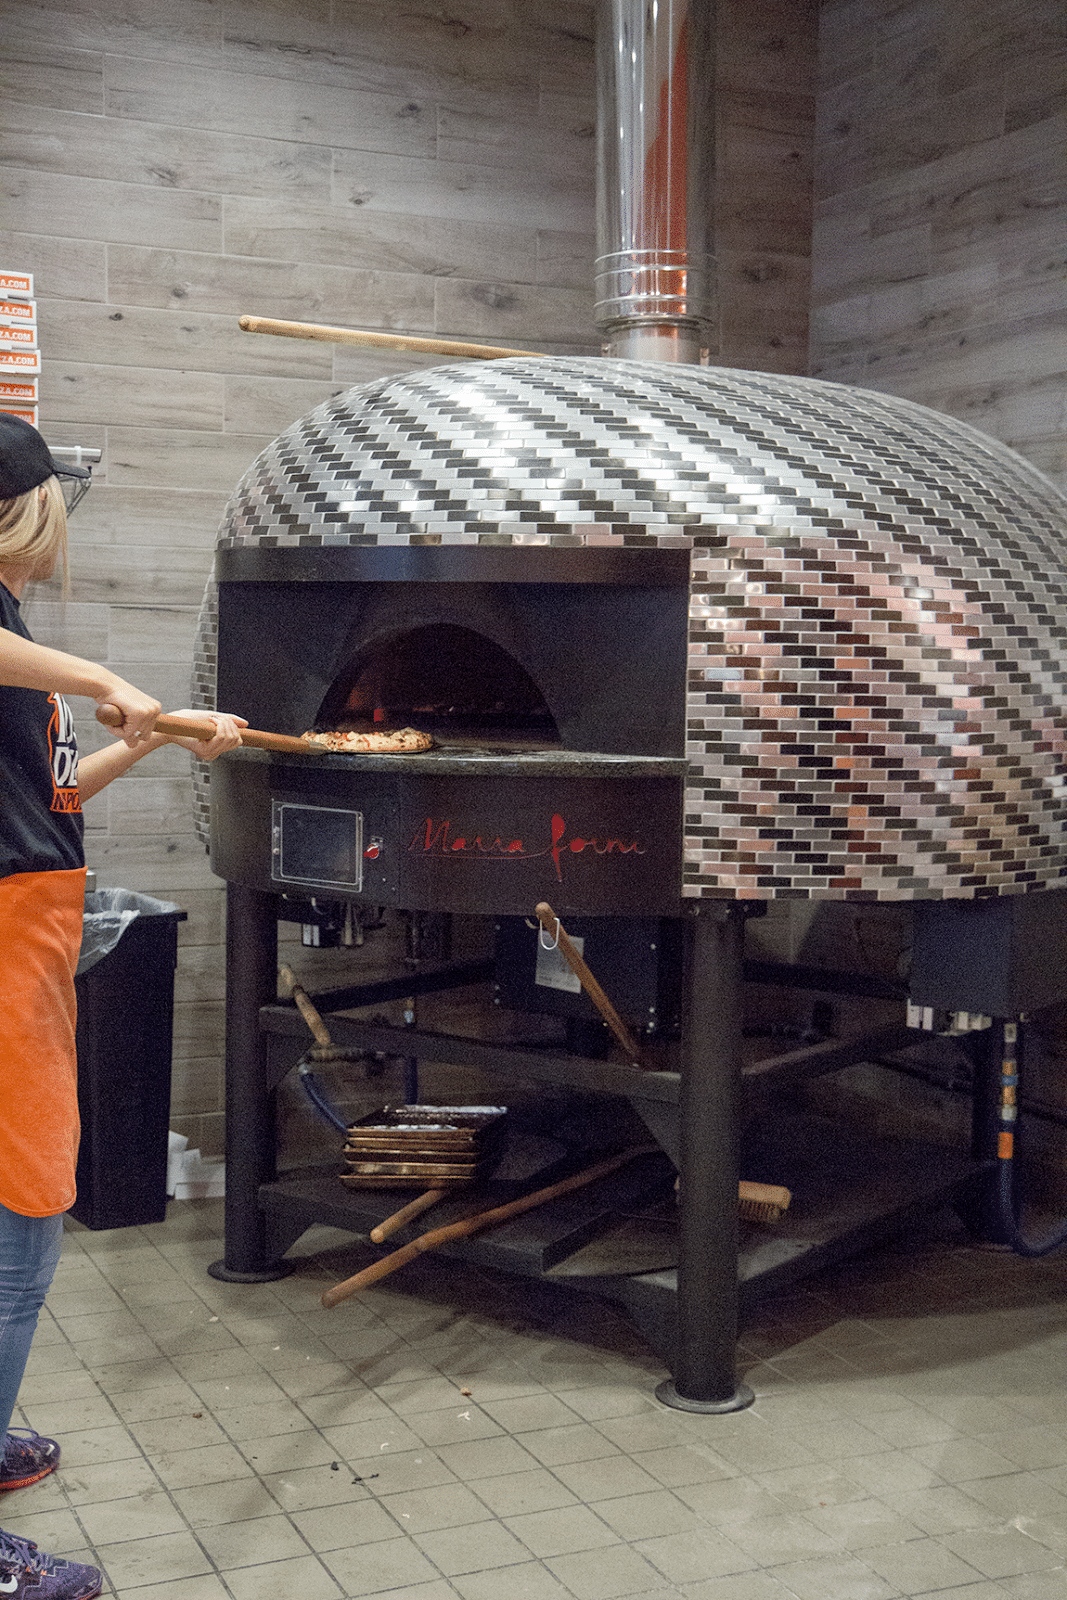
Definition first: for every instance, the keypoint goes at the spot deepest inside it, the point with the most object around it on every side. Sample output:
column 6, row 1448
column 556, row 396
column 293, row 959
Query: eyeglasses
column 77, row 455
column 74, row 490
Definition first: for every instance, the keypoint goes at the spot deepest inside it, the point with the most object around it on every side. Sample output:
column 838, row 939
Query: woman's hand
column 139, row 711
column 227, row 734
column 101, row 767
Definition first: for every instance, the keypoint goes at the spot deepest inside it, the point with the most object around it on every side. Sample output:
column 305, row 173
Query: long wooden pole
column 475, row 1224
column 569, row 951
column 380, row 341
column 766, row 1198
column 306, row 1007
column 414, row 1208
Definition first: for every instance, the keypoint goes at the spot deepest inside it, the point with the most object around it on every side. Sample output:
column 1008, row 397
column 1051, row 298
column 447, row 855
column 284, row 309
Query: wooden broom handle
column 552, row 925
column 189, row 728
column 305, row 1007
column 758, row 1194
column 379, row 341
column 476, row 1223
column 762, row 1194
column 414, row 1208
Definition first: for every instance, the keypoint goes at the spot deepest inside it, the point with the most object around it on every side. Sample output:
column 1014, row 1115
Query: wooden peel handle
column 567, row 949
column 306, row 1007
column 379, row 341
column 414, row 1208
column 191, row 728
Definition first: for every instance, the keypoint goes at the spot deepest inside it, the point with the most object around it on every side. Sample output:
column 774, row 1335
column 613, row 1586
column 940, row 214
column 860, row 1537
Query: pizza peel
column 194, row 728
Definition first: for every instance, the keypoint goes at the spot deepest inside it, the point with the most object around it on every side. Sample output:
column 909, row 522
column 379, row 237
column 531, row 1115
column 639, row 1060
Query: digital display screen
column 317, row 845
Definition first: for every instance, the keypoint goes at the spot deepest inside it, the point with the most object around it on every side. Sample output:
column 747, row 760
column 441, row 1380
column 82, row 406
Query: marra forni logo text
column 439, row 836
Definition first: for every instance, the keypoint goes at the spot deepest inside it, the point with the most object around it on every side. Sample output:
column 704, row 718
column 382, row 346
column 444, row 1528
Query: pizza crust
column 403, row 741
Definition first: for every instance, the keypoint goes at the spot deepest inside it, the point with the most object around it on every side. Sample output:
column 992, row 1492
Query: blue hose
column 318, row 1099
column 1006, row 1204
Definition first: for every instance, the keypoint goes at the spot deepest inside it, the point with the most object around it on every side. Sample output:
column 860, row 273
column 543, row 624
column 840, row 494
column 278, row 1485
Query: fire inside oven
column 445, row 680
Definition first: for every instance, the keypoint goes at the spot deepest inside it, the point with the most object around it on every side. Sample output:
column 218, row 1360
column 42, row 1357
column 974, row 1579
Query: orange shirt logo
column 63, row 754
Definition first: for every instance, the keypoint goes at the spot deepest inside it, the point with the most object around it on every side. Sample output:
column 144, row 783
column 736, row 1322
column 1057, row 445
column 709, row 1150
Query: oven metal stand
column 709, row 1116
column 251, row 982
column 703, row 1307
column 688, row 1313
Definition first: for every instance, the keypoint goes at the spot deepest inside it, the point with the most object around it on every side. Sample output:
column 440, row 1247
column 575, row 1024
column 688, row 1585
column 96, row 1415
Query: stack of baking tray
column 430, row 1147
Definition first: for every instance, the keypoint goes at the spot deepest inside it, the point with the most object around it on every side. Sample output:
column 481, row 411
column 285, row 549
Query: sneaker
column 26, row 1573
column 27, row 1458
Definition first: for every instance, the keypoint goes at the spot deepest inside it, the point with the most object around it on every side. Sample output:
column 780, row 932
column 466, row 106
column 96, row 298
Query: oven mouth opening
column 448, row 681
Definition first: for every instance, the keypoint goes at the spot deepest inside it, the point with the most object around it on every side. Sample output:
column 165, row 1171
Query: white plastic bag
column 108, row 913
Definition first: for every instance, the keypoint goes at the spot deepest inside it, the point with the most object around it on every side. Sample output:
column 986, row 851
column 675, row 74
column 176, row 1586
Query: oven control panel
column 350, row 849
column 321, row 846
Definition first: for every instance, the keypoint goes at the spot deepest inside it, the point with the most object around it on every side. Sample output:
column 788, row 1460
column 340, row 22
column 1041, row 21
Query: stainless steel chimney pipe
column 655, row 274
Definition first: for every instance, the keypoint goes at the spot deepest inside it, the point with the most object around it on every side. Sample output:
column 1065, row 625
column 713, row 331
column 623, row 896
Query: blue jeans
column 29, row 1255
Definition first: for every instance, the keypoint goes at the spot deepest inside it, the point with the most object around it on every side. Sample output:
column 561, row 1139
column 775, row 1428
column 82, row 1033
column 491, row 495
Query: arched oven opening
column 449, row 681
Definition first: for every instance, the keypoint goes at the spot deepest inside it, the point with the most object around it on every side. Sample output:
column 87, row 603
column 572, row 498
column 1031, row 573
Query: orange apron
column 40, row 936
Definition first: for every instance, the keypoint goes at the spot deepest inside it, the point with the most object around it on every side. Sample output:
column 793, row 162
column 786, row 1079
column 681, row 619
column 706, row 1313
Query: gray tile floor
column 456, row 1434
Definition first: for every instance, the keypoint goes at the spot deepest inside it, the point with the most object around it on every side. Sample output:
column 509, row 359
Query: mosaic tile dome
column 877, row 652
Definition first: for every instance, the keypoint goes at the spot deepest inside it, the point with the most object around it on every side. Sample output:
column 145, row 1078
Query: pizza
column 400, row 741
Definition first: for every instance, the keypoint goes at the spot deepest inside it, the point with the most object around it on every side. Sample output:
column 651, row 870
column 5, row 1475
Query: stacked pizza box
column 20, row 358
column 423, row 1146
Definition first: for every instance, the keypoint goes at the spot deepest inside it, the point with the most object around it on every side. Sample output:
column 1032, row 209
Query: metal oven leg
column 704, row 1377
column 251, row 982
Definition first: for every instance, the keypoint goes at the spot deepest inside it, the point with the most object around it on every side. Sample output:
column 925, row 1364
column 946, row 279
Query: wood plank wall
column 941, row 211
column 766, row 72
column 430, row 170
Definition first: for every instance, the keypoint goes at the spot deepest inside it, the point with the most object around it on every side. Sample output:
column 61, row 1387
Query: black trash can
column 125, row 989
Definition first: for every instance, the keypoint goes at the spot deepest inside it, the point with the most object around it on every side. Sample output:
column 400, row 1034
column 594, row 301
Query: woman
column 42, row 893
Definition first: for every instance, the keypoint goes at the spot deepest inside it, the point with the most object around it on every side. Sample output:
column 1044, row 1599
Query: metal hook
column 541, row 936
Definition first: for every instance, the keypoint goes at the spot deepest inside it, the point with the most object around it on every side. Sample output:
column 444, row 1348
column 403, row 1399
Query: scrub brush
column 758, row 1202
column 762, row 1202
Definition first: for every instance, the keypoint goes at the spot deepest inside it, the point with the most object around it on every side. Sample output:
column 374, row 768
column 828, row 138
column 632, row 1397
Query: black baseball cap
column 26, row 461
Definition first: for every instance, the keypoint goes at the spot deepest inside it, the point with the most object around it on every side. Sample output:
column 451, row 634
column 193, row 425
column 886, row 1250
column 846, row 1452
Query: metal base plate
column 277, row 1269
column 668, row 1395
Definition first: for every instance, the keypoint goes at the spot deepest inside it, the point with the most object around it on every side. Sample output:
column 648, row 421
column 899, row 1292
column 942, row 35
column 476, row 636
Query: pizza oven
column 842, row 610
column 688, row 640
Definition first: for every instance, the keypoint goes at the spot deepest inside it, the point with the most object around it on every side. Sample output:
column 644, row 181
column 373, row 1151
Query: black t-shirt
column 40, row 807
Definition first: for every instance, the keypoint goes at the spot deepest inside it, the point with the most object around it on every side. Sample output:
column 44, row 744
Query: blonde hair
column 33, row 530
